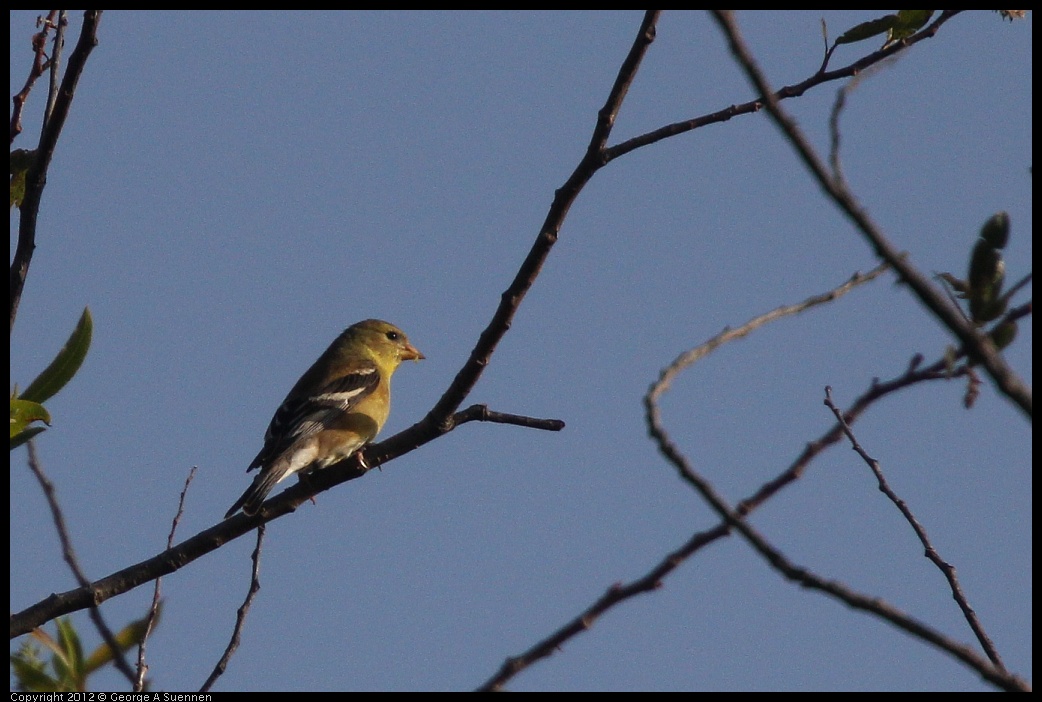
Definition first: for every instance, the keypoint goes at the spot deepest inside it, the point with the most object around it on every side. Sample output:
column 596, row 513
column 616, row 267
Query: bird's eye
column 392, row 335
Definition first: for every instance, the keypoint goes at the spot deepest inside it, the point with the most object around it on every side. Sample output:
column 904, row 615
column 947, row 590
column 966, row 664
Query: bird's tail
column 251, row 500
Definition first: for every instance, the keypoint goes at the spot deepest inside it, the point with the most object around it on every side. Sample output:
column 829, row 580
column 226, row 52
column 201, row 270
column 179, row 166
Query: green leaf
column 128, row 637
column 866, row 30
column 1004, row 334
column 22, row 438
column 986, row 307
column 21, row 159
column 20, row 162
column 987, row 273
column 30, row 670
column 69, row 664
column 986, row 266
column 996, row 230
column 65, row 364
column 907, row 23
column 24, row 412
column 66, row 660
column 17, row 188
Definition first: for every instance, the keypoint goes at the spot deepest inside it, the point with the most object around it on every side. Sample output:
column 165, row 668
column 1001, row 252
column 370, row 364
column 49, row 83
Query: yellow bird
column 338, row 406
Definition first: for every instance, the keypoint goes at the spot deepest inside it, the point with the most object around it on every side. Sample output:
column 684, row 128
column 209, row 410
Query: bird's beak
column 411, row 353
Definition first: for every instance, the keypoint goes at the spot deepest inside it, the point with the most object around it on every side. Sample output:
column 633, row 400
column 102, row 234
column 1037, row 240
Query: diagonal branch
column 153, row 610
column 73, row 562
column 947, row 569
column 174, row 558
column 733, row 519
column 978, row 345
column 653, row 579
column 564, row 198
column 240, row 616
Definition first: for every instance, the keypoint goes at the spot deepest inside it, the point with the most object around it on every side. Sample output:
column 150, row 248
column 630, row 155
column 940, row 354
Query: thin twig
column 153, row 610
column 55, row 65
column 69, row 554
column 39, row 46
column 834, row 131
column 240, row 615
column 688, row 357
column 946, row 568
column 612, row 597
column 1016, row 286
column 481, row 413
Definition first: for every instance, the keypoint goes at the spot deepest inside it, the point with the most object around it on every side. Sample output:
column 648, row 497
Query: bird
column 338, row 406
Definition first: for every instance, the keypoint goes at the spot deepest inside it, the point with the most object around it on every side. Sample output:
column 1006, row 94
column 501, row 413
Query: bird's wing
column 302, row 416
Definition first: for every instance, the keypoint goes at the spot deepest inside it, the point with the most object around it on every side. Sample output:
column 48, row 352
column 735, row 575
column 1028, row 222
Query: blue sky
column 233, row 189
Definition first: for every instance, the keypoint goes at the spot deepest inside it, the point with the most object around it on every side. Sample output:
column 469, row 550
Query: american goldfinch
column 337, row 407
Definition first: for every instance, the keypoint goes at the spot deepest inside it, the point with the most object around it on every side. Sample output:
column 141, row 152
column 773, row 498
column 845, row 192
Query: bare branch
column 653, row 579
column 613, row 596
column 481, row 413
column 240, row 615
column 565, row 196
column 789, row 91
column 36, row 178
column 153, row 610
column 733, row 519
column 54, row 65
column 39, row 44
column 69, row 554
column 980, row 346
column 703, row 350
column 946, row 568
